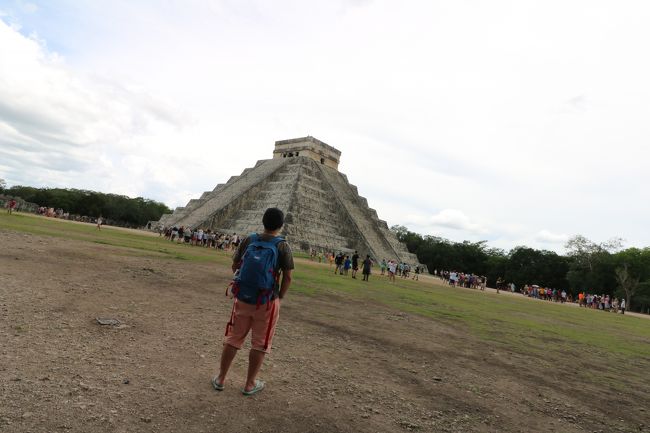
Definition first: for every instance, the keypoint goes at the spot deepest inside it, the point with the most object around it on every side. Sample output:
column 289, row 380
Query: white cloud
column 456, row 219
column 453, row 219
column 59, row 127
column 507, row 116
column 548, row 237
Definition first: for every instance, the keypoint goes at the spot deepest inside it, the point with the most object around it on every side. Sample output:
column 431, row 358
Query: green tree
column 495, row 265
column 627, row 283
column 633, row 276
column 642, row 297
column 591, row 265
column 530, row 266
column 119, row 209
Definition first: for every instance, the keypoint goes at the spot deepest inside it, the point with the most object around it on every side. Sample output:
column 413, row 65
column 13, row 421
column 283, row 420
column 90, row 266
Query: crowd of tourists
column 584, row 299
column 461, row 279
column 601, row 302
column 52, row 213
column 60, row 213
column 400, row 269
column 202, row 238
column 546, row 294
column 348, row 264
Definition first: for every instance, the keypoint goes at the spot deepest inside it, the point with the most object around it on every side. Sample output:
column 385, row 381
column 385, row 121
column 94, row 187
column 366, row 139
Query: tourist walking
column 355, row 264
column 11, row 206
column 339, row 264
column 347, row 264
column 622, row 306
column 392, row 268
column 367, row 264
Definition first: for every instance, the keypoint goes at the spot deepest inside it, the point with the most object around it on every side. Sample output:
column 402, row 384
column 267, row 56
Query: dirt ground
column 338, row 365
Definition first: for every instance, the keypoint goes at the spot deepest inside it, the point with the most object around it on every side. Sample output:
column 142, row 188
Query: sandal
column 259, row 385
column 216, row 385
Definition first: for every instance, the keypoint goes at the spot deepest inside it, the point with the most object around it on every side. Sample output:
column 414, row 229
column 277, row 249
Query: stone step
column 323, row 209
column 360, row 214
column 235, row 187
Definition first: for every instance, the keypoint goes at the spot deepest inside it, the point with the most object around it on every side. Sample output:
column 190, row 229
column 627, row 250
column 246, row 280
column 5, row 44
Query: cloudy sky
column 517, row 122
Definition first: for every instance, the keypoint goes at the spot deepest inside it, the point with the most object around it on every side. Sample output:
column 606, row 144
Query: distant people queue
column 584, row 299
column 460, row 279
column 546, row 294
column 601, row 302
column 202, row 238
column 346, row 264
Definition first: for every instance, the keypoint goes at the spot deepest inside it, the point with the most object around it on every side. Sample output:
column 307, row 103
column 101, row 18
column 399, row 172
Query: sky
column 516, row 122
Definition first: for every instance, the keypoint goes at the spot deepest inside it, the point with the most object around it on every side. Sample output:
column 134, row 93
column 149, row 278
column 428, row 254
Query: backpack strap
column 231, row 322
column 276, row 274
column 276, row 242
column 270, row 326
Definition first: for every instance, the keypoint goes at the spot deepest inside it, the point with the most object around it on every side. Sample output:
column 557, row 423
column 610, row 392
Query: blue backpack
column 257, row 279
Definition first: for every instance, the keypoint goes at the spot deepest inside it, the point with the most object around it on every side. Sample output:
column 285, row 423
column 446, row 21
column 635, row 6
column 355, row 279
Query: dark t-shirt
column 285, row 257
column 355, row 260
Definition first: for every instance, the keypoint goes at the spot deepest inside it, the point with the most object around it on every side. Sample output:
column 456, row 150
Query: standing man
column 355, row 264
column 11, row 206
column 392, row 268
column 339, row 262
column 622, row 306
column 367, row 264
column 256, row 308
column 416, row 275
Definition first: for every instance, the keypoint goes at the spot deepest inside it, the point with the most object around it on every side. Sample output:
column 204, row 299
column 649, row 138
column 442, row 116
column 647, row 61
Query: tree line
column 118, row 209
column 598, row 268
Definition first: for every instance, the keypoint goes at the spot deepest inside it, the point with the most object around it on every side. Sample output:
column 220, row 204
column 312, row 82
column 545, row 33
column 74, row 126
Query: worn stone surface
column 323, row 210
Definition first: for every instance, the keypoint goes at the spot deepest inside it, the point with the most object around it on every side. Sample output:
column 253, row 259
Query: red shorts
column 260, row 319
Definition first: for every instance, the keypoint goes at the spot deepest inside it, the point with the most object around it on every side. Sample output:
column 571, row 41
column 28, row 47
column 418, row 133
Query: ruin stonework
column 322, row 209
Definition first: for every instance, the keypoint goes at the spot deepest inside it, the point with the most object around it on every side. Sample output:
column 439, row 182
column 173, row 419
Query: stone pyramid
column 322, row 209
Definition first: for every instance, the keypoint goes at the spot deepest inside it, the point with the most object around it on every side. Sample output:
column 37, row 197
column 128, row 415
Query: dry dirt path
column 338, row 365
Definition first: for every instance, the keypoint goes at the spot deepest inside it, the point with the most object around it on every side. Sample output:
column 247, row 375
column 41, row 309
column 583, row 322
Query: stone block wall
column 323, row 210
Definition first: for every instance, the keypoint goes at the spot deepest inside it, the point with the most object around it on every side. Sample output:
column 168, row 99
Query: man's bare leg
column 227, row 355
column 255, row 359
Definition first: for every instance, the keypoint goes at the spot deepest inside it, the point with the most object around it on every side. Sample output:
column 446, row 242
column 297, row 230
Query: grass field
column 509, row 321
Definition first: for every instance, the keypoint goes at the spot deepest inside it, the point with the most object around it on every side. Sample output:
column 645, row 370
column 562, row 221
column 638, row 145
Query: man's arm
column 237, row 256
column 286, row 282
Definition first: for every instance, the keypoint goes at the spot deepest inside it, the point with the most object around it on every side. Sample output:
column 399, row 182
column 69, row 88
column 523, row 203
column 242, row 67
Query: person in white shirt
column 623, row 306
column 392, row 268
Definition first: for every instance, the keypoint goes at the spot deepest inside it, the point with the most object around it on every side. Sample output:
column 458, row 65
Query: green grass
column 134, row 243
column 509, row 322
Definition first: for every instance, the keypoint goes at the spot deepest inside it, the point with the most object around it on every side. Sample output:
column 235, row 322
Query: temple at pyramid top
column 311, row 148
column 323, row 211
